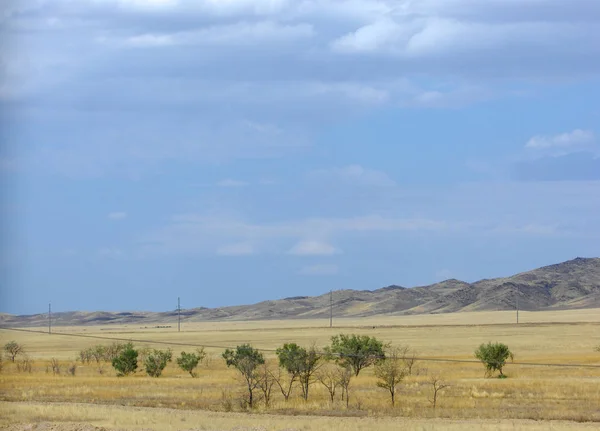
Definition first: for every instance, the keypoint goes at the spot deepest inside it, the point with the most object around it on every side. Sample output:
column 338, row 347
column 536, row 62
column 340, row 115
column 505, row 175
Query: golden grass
column 539, row 393
column 160, row 419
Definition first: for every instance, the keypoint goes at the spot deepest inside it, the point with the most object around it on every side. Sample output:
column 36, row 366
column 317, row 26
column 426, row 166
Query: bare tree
column 266, row 380
column 391, row 371
column 437, row 384
column 285, row 381
column 329, row 377
column 409, row 357
column 55, row 366
column 344, row 376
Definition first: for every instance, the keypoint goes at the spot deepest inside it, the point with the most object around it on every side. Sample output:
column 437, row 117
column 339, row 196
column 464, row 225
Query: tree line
column 297, row 368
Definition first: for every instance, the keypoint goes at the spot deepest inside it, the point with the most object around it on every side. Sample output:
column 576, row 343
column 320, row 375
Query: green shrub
column 493, row 356
column 156, row 361
column 189, row 361
column 126, row 361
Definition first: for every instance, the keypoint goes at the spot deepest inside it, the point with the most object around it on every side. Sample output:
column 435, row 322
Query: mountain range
column 568, row 285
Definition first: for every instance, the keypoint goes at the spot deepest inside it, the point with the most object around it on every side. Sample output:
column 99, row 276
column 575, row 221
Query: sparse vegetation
column 156, row 361
column 125, row 363
column 391, row 371
column 13, row 349
column 54, row 366
column 24, row 365
column 437, row 384
column 494, row 357
column 356, row 351
column 535, row 388
column 246, row 360
column 188, row 362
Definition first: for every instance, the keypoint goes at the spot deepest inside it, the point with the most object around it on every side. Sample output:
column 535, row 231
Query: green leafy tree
column 391, row 371
column 13, row 349
column 126, row 361
column 356, row 351
column 156, row 361
column 246, row 360
column 189, row 361
column 300, row 363
column 494, row 357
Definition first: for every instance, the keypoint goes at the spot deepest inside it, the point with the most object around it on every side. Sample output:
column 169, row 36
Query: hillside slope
column 571, row 284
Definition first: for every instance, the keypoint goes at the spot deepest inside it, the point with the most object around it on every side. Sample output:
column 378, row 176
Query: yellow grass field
column 569, row 397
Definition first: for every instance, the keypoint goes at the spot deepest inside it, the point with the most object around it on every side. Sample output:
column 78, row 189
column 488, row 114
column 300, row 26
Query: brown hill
column 572, row 284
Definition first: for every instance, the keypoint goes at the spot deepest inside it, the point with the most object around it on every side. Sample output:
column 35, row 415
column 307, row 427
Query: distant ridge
column 568, row 285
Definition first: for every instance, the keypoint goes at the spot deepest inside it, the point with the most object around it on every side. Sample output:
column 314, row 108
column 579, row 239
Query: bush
column 493, row 356
column 189, row 361
column 156, row 361
column 55, row 366
column 24, row 365
column 126, row 362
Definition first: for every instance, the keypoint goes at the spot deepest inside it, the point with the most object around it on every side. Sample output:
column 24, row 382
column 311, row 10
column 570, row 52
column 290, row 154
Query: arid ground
column 532, row 397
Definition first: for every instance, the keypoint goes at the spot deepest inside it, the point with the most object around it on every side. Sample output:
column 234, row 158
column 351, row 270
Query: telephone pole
column 331, row 308
column 178, row 315
column 49, row 317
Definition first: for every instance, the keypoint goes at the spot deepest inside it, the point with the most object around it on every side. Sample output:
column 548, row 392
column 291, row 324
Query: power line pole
column 49, row 317
column 331, row 308
column 178, row 315
column 518, row 292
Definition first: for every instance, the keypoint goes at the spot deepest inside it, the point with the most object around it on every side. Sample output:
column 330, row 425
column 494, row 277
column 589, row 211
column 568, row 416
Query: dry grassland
column 538, row 393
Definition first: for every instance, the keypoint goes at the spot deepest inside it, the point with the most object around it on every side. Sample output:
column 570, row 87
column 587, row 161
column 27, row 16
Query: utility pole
column 518, row 292
column 331, row 308
column 178, row 315
column 49, row 317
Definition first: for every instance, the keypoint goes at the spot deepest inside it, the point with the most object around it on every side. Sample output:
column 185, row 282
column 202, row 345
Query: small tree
column 493, row 356
column 13, row 349
column 126, row 362
column 156, row 361
column 329, row 377
column 356, row 351
column 301, row 363
column 266, row 380
column 285, row 383
column 189, row 361
column 391, row 371
column 344, row 376
column 246, row 360
column 437, row 385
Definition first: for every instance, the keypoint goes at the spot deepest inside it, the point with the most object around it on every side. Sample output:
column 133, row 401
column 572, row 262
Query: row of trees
column 334, row 368
column 297, row 366
column 124, row 358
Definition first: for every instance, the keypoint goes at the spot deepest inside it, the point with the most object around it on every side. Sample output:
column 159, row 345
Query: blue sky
column 231, row 151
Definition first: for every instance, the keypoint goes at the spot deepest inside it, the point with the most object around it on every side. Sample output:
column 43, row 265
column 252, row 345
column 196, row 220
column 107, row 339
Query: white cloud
column 117, row 215
column 320, row 269
column 238, row 249
column 231, row 183
column 564, row 142
column 354, row 174
column 313, row 248
column 241, row 33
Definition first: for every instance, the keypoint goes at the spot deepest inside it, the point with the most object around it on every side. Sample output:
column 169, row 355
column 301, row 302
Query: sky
column 233, row 151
